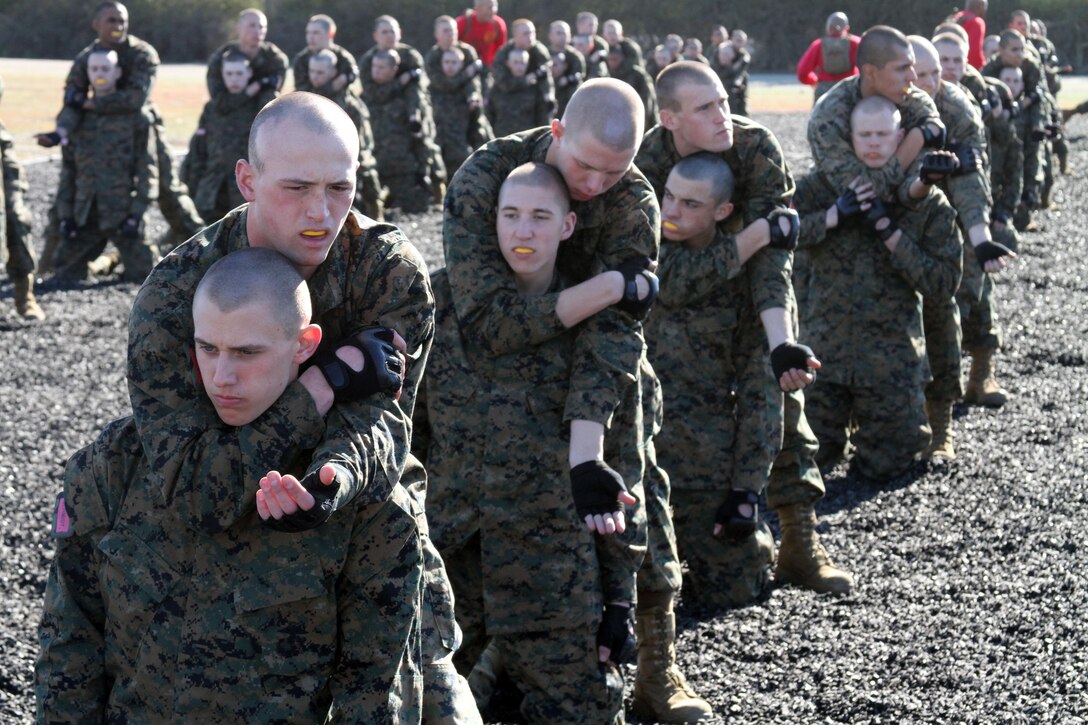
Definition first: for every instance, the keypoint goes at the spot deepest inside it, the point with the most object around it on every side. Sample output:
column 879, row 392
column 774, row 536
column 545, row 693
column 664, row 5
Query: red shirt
column 976, row 35
column 810, row 68
column 486, row 38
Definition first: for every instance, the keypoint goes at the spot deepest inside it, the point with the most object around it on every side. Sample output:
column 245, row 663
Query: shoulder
column 838, row 102
column 183, row 268
column 143, row 48
column 97, row 476
column 382, row 242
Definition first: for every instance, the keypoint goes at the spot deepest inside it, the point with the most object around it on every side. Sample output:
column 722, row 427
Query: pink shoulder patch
column 62, row 523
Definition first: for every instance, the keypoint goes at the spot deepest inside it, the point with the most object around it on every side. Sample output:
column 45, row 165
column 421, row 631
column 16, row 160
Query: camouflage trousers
column 73, row 256
column 721, row 573
column 17, row 253
column 941, row 322
column 660, row 570
column 887, row 426
column 795, row 478
column 174, row 200
column 978, row 313
column 556, row 671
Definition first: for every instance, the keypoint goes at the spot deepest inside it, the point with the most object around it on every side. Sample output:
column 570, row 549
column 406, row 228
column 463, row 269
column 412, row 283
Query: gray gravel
column 973, row 576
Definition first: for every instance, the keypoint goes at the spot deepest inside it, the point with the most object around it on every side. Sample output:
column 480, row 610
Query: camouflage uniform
column 567, row 84
column 518, row 104
column 110, row 181
column 369, row 192
column 15, row 219
column 597, row 60
column 725, row 414
column 734, row 78
column 635, row 76
column 150, row 617
column 1031, row 123
column 269, row 68
column 504, row 516
column 224, row 138
column 461, row 128
column 763, row 183
column 402, row 158
column 139, row 63
column 345, row 66
column 833, row 151
column 861, row 307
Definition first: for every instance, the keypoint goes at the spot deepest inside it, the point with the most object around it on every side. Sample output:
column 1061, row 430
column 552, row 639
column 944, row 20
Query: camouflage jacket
column 459, row 127
column 269, row 68
column 345, row 66
column 861, row 305
column 391, row 105
column 636, row 76
column 139, row 63
column 372, row 275
column 539, row 60
column 226, row 139
column 1038, row 112
column 763, row 183
column 14, row 184
column 620, row 224
column 724, row 423
column 597, row 60
column 833, row 151
column 410, row 62
column 574, row 76
column 542, row 570
column 517, row 106
column 970, row 192
column 113, row 170
column 468, row 76
column 148, row 619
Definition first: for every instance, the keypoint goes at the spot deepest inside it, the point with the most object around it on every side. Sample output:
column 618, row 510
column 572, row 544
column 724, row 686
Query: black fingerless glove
column 969, row 157
column 931, row 138
column 595, row 488
column 319, row 513
column 383, row 368
column 790, row 356
column 877, row 213
column 848, row 205
column 784, row 240
column 132, row 229
column 988, row 251
column 69, row 229
column 735, row 525
column 616, row 631
column 936, row 168
column 630, row 302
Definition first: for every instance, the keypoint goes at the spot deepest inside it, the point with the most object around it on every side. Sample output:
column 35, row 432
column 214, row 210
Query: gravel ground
column 972, row 576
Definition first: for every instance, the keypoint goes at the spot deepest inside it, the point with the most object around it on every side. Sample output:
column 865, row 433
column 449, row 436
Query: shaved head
column 711, row 168
column 677, row 75
column 611, row 110
column 872, row 106
column 879, row 45
column 258, row 275
column 542, row 177
column 314, row 113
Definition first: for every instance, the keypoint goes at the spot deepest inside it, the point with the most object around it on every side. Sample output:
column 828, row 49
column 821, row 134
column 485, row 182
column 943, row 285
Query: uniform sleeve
column 300, row 71
column 931, row 258
column 689, row 275
column 758, row 410
column 970, row 192
column 145, row 172
column 806, row 67
column 769, row 185
column 216, row 86
column 134, row 88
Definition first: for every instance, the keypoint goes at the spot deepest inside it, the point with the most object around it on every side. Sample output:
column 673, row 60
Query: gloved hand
column 132, row 228
column 937, row 167
column 988, row 251
column 630, row 302
column 615, row 632
column 848, row 205
column 319, row 513
column 969, row 157
column 734, row 524
column 780, row 239
column 383, row 367
column 595, row 487
column 932, row 137
column 877, row 213
column 790, row 356
column 69, row 229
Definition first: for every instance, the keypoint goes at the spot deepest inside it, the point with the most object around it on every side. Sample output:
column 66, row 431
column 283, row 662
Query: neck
column 683, row 147
column 701, row 240
column 534, row 285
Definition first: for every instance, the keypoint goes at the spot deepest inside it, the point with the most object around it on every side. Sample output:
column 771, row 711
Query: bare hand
column 281, row 496
column 797, row 379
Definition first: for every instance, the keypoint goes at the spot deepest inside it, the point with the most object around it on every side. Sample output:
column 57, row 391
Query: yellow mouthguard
column 670, row 226
column 313, row 234
column 524, row 250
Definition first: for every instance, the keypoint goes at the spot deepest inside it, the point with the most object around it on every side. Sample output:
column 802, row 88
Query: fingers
column 603, row 653
column 626, row 498
column 814, row 363
column 297, row 494
column 605, row 524
column 282, row 496
column 717, row 529
column 327, row 474
column 399, row 343
column 262, row 507
column 795, row 379
column 272, row 503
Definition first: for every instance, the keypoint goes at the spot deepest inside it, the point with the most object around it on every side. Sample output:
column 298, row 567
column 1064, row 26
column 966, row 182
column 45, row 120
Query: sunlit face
column 524, row 37
column 581, row 44
column 382, row 71
column 559, row 36
column 321, row 72
column 703, row 122
column 692, row 50
column 612, row 32
column 586, row 26
column 301, row 197
column 386, row 35
column 518, row 63
column 589, row 167
column 317, row 38
column 111, row 25
column 103, row 73
column 876, row 137
column 1014, row 79
column 990, row 46
column 486, row 9
column 952, row 60
column 245, row 357
column 928, row 72
column 236, row 75
column 530, row 226
column 893, row 81
column 662, row 56
column 688, row 209
column 445, row 34
column 252, row 29
column 1020, row 23
column 1012, row 53
column 718, row 36
column 452, row 63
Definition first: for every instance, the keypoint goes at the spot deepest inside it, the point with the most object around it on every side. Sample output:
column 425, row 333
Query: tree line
column 186, row 31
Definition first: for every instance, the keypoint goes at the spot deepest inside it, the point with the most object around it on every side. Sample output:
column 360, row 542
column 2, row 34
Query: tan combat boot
column 802, row 559
column 661, row 692
column 939, row 413
column 25, row 303
column 982, row 387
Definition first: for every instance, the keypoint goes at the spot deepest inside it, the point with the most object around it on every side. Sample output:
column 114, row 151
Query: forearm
column 586, row 442
column 776, row 326
column 584, row 300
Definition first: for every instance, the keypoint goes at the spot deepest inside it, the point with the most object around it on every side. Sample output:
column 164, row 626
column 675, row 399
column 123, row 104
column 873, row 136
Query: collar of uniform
column 330, row 279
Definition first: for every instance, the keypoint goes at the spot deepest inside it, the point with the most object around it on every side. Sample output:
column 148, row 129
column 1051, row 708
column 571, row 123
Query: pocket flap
column 304, row 580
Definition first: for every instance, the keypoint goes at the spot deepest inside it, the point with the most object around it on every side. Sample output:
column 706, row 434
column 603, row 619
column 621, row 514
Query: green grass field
column 33, row 90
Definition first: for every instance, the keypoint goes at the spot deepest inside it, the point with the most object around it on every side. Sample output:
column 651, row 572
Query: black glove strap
column 318, row 514
column 784, row 240
column 630, row 303
column 595, row 488
column 736, row 525
column 383, row 369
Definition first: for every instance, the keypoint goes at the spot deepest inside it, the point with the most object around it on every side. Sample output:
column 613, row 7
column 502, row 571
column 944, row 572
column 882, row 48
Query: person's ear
column 245, row 175
column 723, row 211
column 309, row 338
column 557, row 129
column 668, row 119
column 569, row 222
column 900, row 135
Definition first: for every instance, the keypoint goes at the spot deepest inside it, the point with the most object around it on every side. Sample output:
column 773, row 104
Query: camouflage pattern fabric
column 345, row 66
column 634, row 75
column 270, row 62
column 402, row 159
column 568, row 83
column 597, row 60
column 457, row 101
column 519, row 104
column 1032, row 120
column 969, row 193
column 139, row 64
column 372, row 276
column 833, row 152
column 622, row 223
column 148, row 619
column 15, row 220
column 225, row 140
column 368, row 186
column 410, row 60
